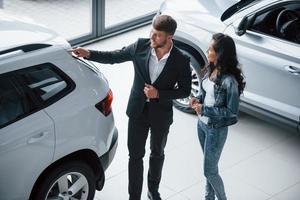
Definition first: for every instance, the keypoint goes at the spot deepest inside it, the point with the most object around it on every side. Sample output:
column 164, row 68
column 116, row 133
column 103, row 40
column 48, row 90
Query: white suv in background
column 267, row 38
column 57, row 131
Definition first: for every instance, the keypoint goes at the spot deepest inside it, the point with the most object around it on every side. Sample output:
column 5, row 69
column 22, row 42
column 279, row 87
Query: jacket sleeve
column 183, row 88
column 117, row 56
column 231, row 107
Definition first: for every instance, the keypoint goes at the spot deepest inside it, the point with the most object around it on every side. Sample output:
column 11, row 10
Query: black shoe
column 153, row 195
column 134, row 197
column 130, row 198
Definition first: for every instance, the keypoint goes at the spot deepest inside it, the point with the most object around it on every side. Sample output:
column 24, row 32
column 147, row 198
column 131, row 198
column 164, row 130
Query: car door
column 26, row 139
column 270, row 62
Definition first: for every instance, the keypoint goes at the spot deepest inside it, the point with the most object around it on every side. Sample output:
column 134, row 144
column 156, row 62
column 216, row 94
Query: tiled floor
column 260, row 161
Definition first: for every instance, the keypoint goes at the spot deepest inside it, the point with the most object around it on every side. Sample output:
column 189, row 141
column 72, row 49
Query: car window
column 282, row 21
column 15, row 101
column 46, row 81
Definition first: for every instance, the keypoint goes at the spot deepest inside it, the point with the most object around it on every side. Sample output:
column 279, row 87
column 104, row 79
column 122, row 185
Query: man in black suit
column 162, row 73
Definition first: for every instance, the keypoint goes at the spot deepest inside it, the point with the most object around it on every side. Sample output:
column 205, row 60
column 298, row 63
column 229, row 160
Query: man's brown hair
column 165, row 23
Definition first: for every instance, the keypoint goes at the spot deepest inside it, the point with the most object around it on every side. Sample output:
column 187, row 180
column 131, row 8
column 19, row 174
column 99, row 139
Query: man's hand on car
column 81, row 52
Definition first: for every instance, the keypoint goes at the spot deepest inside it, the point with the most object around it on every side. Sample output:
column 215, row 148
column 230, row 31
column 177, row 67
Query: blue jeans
column 212, row 141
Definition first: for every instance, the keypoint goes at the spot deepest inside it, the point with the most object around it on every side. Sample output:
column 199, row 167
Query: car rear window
column 26, row 91
column 46, row 81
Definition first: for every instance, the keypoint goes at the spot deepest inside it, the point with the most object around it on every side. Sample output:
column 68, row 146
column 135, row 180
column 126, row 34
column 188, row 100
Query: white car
column 57, row 130
column 267, row 37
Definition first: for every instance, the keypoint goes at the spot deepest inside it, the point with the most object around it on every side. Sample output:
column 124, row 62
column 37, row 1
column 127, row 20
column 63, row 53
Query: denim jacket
column 225, row 110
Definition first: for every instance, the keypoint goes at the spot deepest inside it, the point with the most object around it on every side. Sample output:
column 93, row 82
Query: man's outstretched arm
column 110, row 57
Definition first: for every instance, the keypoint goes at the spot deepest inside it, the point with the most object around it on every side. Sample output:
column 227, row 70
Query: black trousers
column 138, row 129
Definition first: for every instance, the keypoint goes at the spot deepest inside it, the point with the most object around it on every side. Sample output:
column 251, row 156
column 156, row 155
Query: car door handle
column 38, row 137
column 292, row 69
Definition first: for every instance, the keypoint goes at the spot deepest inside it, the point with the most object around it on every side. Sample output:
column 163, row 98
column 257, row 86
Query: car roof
column 236, row 7
column 16, row 31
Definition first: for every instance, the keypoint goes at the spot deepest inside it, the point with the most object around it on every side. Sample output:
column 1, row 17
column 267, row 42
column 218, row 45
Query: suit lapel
column 167, row 66
column 147, row 66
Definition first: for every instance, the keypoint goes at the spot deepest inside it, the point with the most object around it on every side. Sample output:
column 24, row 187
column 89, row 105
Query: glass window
column 282, row 22
column 15, row 101
column 44, row 80
column 83, row 20
column 71, row 19
column 120, row 11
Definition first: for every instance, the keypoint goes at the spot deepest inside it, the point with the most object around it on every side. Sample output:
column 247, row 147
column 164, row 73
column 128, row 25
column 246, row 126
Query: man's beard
column 157, row 46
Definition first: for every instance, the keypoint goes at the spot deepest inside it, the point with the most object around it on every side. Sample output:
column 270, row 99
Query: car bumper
column 107, row 158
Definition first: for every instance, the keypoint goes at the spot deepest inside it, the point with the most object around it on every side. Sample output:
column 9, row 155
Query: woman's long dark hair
column 227, row 61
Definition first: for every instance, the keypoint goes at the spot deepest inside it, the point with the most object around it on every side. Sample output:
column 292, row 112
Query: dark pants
column 138, row 129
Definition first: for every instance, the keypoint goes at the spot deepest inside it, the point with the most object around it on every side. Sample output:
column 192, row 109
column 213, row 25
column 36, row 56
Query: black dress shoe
column 134, row 198
column 153, row 195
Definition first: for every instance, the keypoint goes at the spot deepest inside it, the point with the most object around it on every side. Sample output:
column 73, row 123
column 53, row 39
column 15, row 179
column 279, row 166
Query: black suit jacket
column 175, row 73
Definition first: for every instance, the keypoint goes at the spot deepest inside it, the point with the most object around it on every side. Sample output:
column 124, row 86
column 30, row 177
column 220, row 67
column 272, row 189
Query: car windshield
column 237, row 7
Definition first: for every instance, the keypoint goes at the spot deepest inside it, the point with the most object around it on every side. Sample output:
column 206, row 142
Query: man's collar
column 153, row 53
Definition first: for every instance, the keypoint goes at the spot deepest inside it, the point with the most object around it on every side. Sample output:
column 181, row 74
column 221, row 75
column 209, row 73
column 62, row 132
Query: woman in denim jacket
column 222, row 83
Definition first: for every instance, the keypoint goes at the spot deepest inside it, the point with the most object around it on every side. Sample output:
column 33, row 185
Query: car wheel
column 183, row 104
column 73, row 180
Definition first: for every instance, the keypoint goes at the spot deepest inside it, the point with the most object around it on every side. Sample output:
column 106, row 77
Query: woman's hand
column 197, row 107
column 195, row 104
column 192, row 101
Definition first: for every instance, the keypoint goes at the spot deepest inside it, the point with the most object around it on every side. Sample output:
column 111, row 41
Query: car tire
column 75, row 173
column 183, row 104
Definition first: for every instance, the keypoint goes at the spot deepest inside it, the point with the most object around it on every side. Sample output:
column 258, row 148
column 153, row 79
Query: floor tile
column 116, row 189
column 292, row 193
column 181, row 134
column 196, row 191
column 183, row 166
column 177, row 197
column 288, row 150
column 235, row 190
column 267, row 172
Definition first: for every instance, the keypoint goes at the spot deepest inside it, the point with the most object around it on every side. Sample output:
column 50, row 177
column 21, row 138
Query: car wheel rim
column 194, row 89
column 70, row 186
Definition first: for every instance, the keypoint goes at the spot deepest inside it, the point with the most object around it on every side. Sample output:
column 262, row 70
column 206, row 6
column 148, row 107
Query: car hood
column 208, row 7
column 19, row 30
column 204, row 14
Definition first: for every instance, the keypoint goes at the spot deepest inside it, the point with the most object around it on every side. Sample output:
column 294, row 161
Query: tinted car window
column 46, row 81
column 15, row 101
column 281, row 22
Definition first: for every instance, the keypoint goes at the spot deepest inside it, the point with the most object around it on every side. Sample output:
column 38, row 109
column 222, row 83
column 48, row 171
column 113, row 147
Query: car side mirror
column 245, row 24
column 242, row 27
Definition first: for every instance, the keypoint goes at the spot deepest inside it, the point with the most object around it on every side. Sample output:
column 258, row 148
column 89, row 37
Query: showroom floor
column 260, row 161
